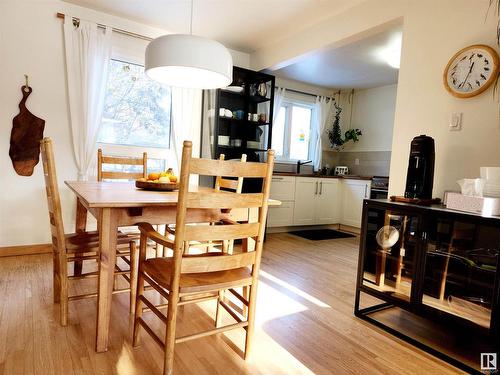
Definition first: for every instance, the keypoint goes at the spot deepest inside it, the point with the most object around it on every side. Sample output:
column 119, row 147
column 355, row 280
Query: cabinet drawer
column 283, row 188
column 280, row 216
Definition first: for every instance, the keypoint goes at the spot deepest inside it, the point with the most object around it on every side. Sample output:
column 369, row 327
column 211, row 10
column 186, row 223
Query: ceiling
column 244, row 25
column 359, row 65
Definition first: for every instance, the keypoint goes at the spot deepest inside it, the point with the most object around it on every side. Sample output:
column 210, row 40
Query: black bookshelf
column 246, row 136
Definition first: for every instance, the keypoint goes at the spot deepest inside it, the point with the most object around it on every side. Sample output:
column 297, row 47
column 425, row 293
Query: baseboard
column 350, row 229
column 300, row 227
column 342, row 227
column 10, row 251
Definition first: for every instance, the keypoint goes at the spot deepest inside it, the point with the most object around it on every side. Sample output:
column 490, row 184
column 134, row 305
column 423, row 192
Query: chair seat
column 160, row 270
column 87, row 242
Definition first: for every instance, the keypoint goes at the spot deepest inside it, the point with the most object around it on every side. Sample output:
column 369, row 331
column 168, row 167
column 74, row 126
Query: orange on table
column 153, row 176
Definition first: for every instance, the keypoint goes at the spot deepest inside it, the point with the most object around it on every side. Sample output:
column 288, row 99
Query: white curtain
column 321, row 114
column 186, row 122
column 88, row 50
column 279, row 94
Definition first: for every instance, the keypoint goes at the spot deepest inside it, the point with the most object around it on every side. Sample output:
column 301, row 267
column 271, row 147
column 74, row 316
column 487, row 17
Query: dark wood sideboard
column 436, row 267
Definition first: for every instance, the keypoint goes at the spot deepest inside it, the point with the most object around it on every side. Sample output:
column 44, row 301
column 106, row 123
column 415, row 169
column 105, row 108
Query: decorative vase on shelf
column 262, row 90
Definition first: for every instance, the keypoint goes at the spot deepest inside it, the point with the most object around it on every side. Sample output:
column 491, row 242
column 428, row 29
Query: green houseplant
column 335, row 136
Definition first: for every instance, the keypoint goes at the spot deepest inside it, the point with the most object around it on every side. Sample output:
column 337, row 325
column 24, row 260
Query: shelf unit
column 241, row 128
column 249, row 102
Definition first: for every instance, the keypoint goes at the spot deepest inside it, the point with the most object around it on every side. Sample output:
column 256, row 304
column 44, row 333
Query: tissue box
column 479, row 205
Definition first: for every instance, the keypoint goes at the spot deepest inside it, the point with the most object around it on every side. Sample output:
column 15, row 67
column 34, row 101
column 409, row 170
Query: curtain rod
column 116, row 30
column 309, row 94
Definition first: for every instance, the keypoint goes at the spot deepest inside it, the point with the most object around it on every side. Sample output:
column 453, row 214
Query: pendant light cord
column 191, row 23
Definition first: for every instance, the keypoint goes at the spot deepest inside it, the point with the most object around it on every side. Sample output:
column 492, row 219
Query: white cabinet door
column 353, row 193
column 283, row 188
column 280, row 216
column 327, row 201
column 306, row 190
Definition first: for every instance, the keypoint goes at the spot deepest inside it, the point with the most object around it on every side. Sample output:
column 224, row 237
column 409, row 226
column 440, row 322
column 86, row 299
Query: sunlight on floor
column 281, row 304
column 284, row 284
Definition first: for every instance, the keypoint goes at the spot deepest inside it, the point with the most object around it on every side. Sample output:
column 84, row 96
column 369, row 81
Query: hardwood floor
column 304, row 316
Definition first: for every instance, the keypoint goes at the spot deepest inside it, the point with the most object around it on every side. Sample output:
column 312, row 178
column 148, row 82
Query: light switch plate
column 356, row 161
column 455, row 121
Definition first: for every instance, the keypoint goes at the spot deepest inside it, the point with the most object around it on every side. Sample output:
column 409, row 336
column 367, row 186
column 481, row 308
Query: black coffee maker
column 420, row 177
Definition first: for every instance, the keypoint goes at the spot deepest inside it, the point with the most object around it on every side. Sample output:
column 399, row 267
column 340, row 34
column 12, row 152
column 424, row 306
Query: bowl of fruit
column 162, row 181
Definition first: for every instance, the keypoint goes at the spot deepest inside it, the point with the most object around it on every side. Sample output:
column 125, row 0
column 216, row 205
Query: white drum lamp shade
column 182, row 60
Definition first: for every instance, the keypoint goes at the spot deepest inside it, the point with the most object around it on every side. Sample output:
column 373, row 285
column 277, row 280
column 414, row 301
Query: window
column 291, row 131
column 136, row 109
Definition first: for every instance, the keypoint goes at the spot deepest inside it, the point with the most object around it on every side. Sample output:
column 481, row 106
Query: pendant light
column 187, row 60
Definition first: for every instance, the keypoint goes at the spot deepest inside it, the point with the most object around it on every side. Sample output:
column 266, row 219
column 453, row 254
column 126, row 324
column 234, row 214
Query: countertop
column 345, row 177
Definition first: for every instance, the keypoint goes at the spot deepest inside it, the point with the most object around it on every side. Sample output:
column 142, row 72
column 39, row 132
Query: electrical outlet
column 356, row 161
column 455, row 121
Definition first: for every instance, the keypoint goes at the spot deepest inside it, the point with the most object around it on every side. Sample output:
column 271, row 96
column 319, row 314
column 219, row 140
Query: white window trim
column 288, row 103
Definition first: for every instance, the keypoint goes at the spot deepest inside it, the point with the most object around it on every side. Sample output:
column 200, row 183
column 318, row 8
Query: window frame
column 132, row 56
column 288, row 104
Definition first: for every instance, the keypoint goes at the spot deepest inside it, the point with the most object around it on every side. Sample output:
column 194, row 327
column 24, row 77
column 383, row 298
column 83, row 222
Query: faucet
column 299, row 163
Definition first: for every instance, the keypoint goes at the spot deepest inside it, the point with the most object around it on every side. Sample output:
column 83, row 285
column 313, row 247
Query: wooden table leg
column 80, row 227
column 107, row 242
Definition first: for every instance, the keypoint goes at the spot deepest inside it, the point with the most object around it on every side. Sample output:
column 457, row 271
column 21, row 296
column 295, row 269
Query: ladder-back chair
column 74, row 247
column 235, row 185
column 120, row 160
column 226, row 184
column 181, row 279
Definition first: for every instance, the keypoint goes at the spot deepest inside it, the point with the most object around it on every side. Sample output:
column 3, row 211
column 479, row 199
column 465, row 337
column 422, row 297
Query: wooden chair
column 221, row 182
column 180, row 277
column 119, row 160
column 74, row 247
column 122, row 175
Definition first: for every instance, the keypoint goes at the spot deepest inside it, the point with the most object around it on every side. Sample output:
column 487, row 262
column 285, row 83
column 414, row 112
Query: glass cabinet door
column 389, row 262
column 460, row 268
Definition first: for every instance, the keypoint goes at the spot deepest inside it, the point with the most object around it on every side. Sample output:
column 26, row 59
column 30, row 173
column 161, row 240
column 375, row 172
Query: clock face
column 471, row 71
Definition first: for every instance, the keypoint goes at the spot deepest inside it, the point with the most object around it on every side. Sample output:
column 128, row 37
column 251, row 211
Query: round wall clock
column 471, row 71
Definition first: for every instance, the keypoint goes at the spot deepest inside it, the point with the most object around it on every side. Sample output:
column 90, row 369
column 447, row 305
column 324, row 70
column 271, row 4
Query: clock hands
column 468, row 74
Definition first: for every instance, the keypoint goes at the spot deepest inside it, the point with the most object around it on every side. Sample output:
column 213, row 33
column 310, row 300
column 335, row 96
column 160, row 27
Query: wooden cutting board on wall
column 25, row 137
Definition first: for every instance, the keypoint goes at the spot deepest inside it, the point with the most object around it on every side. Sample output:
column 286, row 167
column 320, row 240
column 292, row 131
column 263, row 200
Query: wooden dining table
column 118, row 204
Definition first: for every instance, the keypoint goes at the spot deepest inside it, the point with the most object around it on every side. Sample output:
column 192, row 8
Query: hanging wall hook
column 27, row 85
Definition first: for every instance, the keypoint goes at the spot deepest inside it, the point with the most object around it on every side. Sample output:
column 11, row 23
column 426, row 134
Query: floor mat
column 321, row 234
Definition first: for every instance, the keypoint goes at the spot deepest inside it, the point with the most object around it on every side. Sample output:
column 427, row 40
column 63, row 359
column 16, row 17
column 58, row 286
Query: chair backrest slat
column 221, row 232
column 120, row 160
column 53, row 198
column 207, row 167
column 218, row 263
column 226, row 184
column 223, row 199
column 219, row 199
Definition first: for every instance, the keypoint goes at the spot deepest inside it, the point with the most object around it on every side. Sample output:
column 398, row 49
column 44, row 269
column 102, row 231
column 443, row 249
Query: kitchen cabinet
column 282, row 189
column 306, row 190
column 353, row 194
column 316, row 201
column 327, row 205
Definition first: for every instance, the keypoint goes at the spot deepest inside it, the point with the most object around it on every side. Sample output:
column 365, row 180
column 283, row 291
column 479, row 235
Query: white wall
column 304, row 87
column 31, row 42
column 433, row 32
column 373, row 113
